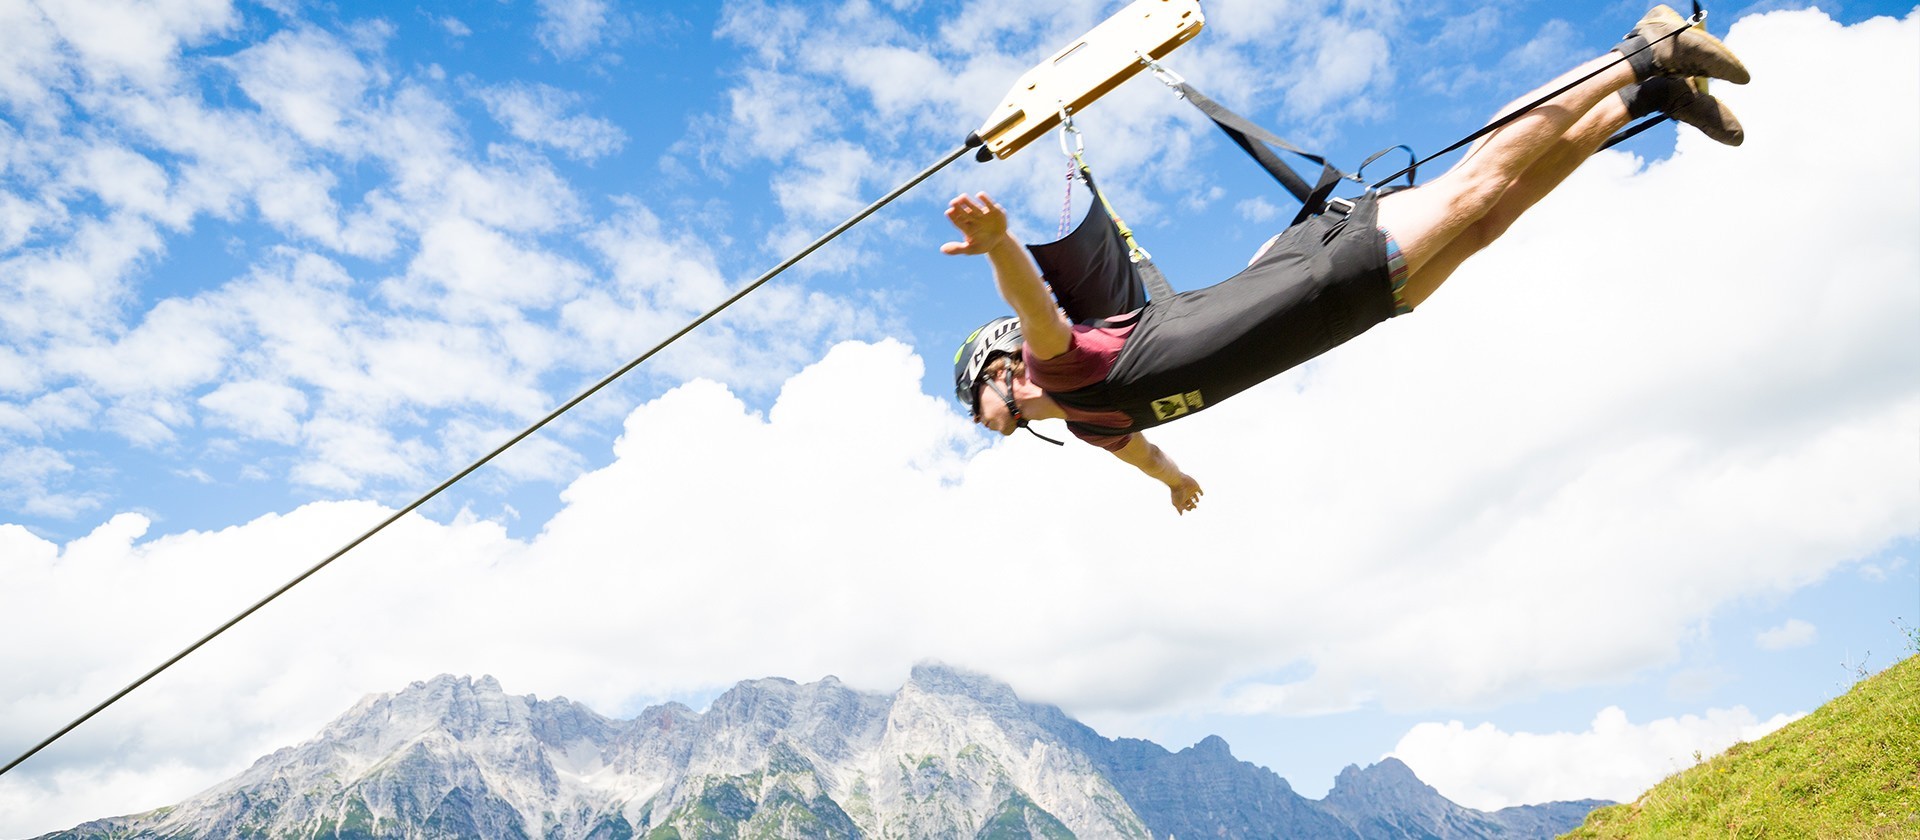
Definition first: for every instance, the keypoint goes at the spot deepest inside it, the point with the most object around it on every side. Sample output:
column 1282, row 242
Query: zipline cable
column 973, row 141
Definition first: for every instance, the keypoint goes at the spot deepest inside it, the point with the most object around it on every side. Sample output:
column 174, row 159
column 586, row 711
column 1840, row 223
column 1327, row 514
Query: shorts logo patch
column 1167, row 408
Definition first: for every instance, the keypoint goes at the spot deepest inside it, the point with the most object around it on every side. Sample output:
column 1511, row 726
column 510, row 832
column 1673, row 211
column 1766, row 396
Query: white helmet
column 998, row 337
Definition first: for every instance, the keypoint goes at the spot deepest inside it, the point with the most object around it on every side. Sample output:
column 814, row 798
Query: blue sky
column 265, row 268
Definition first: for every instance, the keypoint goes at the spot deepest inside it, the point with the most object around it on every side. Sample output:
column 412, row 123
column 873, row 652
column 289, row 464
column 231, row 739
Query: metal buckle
column 1345, row 206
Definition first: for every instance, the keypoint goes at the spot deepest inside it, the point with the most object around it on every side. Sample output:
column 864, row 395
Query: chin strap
column 1013, row 409
column 1029, row 428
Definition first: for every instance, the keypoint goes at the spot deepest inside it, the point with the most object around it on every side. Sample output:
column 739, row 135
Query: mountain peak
column 940, row 678
column 1213, row 747
column 1389, row 775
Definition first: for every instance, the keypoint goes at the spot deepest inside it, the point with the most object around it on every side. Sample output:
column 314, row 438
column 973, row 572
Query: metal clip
column 1167, row 77
column 1068, row 128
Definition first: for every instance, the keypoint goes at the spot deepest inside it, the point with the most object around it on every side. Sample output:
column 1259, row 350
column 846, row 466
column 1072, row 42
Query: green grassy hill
column 1849, row 770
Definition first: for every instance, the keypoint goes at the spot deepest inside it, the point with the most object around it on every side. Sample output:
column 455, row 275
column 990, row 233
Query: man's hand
column 1186, row 493
column 982, row 222
column 1155, row 463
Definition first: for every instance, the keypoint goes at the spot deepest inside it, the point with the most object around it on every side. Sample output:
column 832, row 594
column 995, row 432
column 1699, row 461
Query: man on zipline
column 1317, row 284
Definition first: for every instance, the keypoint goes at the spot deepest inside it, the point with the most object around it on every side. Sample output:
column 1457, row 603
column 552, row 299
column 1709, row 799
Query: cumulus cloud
column 1615, row 758
column 1602, row 431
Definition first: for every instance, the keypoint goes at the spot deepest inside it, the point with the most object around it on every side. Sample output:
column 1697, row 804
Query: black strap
column 1254, row 140
column 1633, row 131
column 1412, row 171
column 1316, row 202
column 1157, row 286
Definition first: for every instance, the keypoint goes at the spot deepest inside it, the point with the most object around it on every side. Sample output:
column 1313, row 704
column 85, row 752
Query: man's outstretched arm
column 1154, row 462
column 984, row 224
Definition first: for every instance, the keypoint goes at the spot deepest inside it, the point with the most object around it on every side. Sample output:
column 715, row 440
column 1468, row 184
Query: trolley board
column 1087, row 68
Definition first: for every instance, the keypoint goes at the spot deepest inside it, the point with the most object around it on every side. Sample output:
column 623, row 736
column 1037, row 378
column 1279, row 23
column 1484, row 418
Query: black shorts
column 1319, row 284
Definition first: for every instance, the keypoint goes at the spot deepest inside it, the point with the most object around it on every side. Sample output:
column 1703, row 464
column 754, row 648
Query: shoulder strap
column 1254, row 140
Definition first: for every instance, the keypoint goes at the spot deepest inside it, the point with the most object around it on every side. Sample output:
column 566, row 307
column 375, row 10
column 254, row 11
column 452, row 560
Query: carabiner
column 1067, row 127
column 1167, row 77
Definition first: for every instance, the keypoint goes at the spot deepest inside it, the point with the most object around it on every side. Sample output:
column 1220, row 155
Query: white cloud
column 662, row 278
column 1793, row 634
column 180, row 345
column 469, row 271
column 124, row 179
column 29, row 62
column 1257, row 210
column 135, row 41
column 1614, row 758
column 847, row 112
column 1602, row 431
column 70, row 291
column 1878, row 573
column 475, row 236
column 1551, row 51
column 569, row 28
column 309, row 81
column 25, row 475
column 255, row 408
column 1346, row 63
column 538, row 114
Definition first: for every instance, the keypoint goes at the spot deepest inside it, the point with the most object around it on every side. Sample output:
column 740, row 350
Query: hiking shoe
column 1690, row 53
column 1685, row 100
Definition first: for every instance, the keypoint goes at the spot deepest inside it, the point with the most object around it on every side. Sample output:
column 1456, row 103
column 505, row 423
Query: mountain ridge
column 950, row 754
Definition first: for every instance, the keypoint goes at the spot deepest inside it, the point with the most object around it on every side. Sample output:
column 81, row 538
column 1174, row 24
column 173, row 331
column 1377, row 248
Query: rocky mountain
column 950, row 755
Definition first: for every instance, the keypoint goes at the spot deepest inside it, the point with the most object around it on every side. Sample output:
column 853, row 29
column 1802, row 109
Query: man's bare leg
column 1559, row 161
column 1426, row 220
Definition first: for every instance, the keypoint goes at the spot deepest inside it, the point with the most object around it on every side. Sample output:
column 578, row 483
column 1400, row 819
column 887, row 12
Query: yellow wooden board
column 1086, row 69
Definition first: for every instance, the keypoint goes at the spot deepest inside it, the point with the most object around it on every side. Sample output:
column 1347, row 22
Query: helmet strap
column 1013, row 408
column 1029, row 428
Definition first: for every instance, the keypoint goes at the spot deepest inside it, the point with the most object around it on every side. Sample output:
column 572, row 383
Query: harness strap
column 1633, row 131
column 1255, row 140
column 1252, row 139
